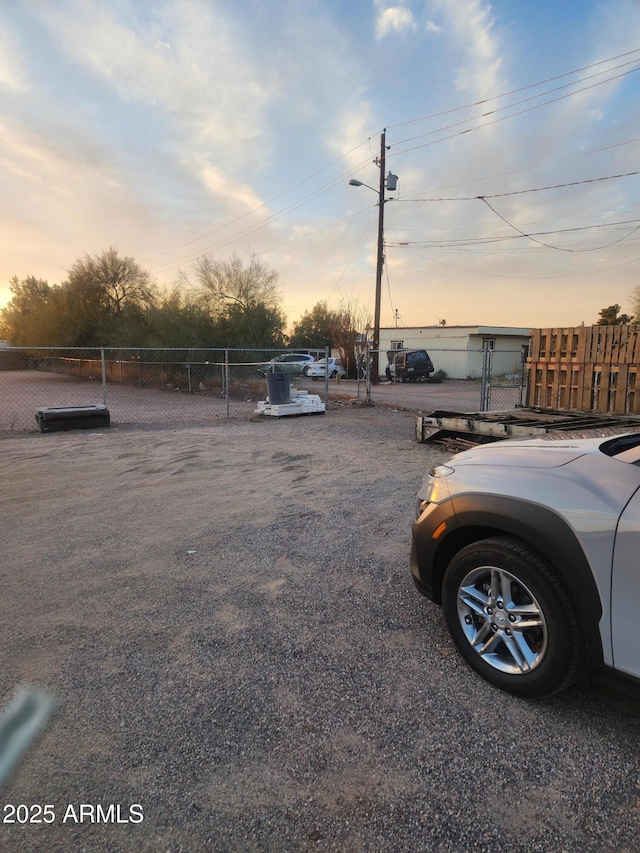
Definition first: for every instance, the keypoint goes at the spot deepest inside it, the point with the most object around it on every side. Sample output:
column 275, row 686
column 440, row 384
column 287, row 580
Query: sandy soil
column 24, row 392
column 226, row 616
column 126, row 585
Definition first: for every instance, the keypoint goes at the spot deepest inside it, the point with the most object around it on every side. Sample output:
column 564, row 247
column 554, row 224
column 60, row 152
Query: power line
column 349, row 262
column 516, row 91
column 504, row 118
column 557, row 248
column 386, row 268
column 316, row 231
column 330, row 185
column 175, row 263
column 530, row 168
column 480, row 241
column 532, row 98
column 539, row 222
column 260, row 206
column 494, row 274
column 530, row 190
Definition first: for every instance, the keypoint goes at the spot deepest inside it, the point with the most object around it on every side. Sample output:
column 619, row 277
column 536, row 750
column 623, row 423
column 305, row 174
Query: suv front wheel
column 511, row 618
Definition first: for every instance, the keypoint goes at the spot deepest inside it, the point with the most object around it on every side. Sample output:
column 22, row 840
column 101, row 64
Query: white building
column 458, row 350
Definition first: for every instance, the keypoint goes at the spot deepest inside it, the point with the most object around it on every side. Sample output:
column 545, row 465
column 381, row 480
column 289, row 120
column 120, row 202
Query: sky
column 173, row 129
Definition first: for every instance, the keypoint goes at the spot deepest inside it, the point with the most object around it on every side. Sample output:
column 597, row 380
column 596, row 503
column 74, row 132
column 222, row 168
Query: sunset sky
column 176, row 128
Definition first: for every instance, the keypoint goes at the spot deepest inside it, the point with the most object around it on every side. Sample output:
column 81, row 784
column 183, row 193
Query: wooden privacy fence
column 586, row 368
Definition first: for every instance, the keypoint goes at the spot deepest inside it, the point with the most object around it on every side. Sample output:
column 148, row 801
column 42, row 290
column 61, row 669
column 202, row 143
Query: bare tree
column 635, row 301
column 234, row 283
column 348, row 333
column 115, row 280
column 244, row 299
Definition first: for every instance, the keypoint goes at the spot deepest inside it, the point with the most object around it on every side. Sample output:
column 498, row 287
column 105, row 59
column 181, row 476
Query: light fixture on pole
column 390, row 182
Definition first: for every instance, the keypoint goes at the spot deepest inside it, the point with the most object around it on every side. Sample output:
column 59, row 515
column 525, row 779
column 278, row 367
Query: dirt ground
column 23, row 392
column 226, row 617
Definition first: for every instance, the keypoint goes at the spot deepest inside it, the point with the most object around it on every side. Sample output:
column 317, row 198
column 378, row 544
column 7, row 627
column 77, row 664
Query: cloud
column 471, row 24
column 203, row 82
column 61, row 203
column 219, row 184
column 349, row 127
column 12, row 74
column 394, row 19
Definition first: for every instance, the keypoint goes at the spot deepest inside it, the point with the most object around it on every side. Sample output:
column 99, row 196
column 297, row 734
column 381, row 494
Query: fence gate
column 513, row 383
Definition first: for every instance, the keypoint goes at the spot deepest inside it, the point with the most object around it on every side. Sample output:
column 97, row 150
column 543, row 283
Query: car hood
column 543, row 452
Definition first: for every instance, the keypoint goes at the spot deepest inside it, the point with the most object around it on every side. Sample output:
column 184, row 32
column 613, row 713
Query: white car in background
column 318, row 369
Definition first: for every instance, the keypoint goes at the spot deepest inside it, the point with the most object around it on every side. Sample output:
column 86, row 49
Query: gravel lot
column 23, row 392
column 227, row 617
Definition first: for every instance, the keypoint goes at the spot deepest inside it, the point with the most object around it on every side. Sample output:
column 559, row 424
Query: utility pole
column 376, row 317
column 389, row 182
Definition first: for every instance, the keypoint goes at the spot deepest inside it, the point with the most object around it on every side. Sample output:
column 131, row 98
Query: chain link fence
column 462, row 381
column 196, row 386
column 139, row 386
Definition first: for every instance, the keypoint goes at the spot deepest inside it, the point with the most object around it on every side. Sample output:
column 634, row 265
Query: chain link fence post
column 104, row 376
column 485, row 391
column 226, row 381
column 326, row 376
column 524, row 389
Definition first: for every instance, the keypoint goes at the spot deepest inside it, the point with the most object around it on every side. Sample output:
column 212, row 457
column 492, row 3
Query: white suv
column 531, row 548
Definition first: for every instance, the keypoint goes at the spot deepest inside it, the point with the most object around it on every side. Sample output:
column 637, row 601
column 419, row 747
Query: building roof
column 520, row 331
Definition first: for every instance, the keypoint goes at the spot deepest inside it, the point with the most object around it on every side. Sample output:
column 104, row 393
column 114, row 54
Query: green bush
column 438, row 376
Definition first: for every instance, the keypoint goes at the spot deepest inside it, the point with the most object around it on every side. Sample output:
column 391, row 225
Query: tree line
column 110, row 300
column 611, row 316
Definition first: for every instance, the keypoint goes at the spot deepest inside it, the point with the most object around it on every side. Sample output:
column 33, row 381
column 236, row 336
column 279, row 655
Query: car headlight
column 435, row 488
column 440, row 471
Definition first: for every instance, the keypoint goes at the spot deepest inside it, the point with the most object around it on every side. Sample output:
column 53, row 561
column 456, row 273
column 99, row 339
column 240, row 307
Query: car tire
column 334, row 374
column 511, row 618
column 305, row 371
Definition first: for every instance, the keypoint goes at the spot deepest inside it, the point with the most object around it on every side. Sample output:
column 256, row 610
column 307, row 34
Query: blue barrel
column 279, row 388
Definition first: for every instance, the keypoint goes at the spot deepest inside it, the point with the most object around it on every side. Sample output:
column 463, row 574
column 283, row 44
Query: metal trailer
column 464, row 429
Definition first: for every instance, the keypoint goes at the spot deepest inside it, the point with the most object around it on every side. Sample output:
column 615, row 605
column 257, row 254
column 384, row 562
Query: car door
column 625, row 591
column 291, row 363
column 421, row 363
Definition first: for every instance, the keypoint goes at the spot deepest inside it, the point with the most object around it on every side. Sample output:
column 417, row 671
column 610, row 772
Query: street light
column 390, row 183
column 354, row 183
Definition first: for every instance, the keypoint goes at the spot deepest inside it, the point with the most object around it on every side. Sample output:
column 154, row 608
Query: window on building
column 397, row 344
column 488, row 342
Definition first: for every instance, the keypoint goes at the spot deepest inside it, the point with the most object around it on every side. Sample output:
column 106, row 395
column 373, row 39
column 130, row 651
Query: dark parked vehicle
column 531, row 548
column 408, row 365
